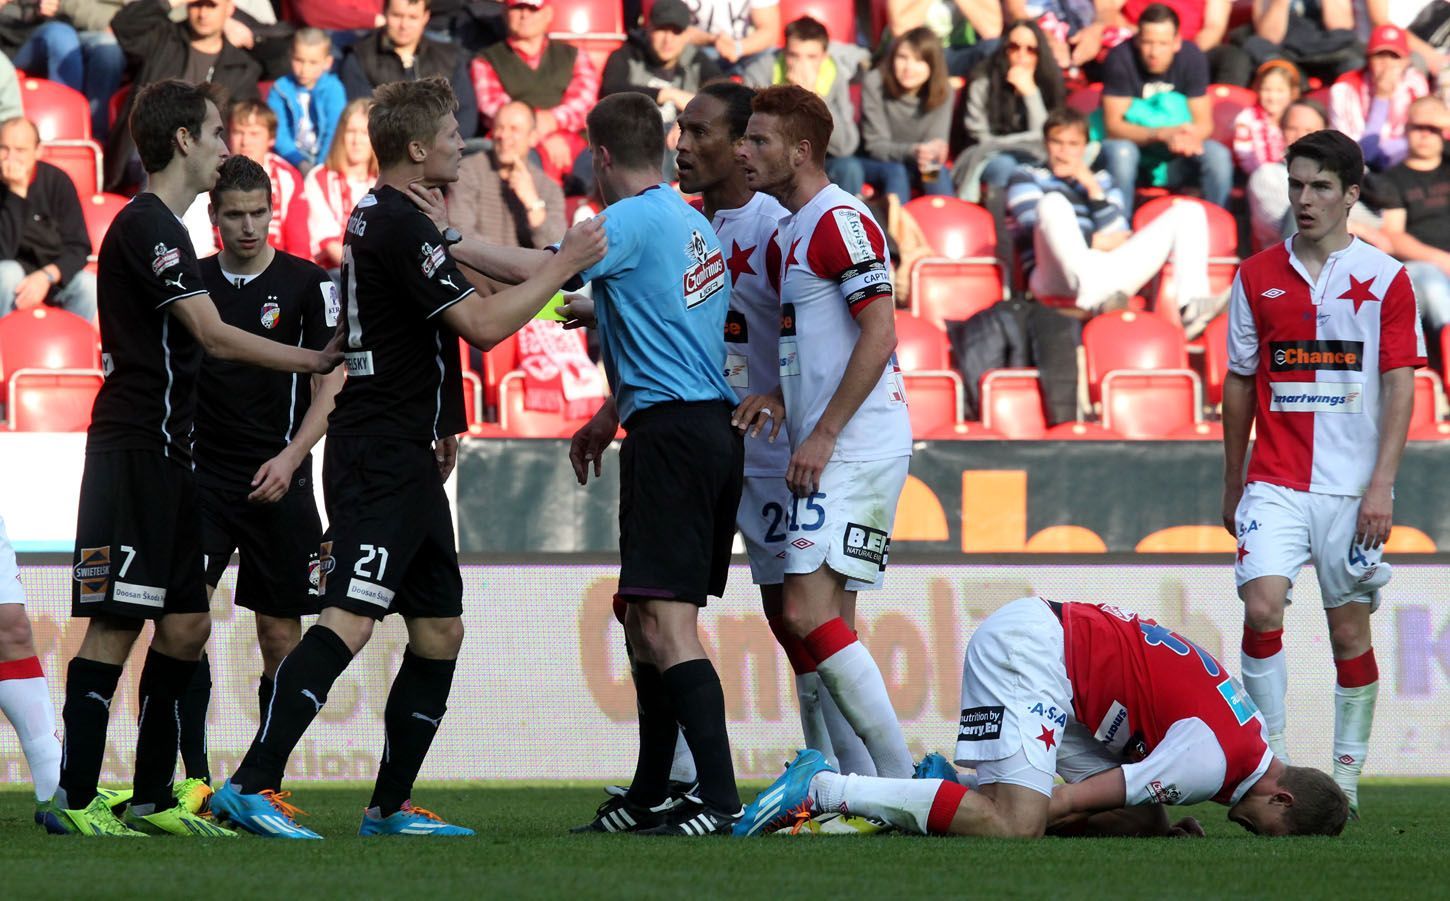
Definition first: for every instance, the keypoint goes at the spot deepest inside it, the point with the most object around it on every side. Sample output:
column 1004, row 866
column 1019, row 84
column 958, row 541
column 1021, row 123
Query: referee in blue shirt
column 661, row 294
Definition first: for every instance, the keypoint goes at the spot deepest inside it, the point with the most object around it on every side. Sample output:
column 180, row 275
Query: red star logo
column 739, row 261
column 1048, row 738
column 790, row 257
column 1359, row 292
column 1243, row 552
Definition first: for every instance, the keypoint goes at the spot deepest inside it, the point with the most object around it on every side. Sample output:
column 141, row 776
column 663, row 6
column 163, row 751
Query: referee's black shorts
column 138, row 538
column 680, row 474
column 389, row 545
column 278, row 542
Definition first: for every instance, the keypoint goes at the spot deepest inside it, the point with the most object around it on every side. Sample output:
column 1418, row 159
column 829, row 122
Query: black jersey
column 150, row 359
column 402, row 360
column 246, row 415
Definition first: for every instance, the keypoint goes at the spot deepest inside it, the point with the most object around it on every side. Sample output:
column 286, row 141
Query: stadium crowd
column 1110, row 160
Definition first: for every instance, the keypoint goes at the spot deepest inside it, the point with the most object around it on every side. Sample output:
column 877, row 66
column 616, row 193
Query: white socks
column 904, row 803
column 25, row 700
column 851, row 753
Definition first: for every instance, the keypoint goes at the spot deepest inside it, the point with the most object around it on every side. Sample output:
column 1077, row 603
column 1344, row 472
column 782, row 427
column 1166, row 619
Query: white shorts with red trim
column 1281, row 529
column 10, row 589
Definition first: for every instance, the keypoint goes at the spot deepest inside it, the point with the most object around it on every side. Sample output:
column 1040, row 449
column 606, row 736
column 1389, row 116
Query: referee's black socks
column 164, row 681
column 699, row 705
column 416, row 704
column 90, row 685
column 302, row 683
column 657, row 734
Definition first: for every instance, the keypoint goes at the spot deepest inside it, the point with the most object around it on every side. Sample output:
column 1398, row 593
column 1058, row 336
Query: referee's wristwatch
column 451, row 236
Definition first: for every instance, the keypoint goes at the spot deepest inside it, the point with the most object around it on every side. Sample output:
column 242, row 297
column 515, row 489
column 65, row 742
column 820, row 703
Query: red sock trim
column 944, row 807
column 801, row 661
column 829, row 638
column 1358, row 671
column 621, row 606
column 1263, row 644
column 29, row 668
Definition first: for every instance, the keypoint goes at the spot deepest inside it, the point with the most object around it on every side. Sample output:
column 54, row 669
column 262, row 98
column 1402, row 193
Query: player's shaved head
column 1320, row 806
column 405, row 112
column 800, row 115
column 630, row 127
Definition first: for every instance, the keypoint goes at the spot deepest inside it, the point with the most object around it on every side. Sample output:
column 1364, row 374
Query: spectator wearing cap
column 555, row 80
column 660, row 62
column 399, row 51
column 1372, row 105
column 43, row 238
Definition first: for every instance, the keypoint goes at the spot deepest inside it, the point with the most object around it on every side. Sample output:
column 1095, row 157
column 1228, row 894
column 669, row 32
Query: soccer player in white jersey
column 849, row 432
column 24, row 695
column 1324, row 337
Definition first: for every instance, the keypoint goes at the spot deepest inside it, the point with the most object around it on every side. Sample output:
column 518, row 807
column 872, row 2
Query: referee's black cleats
column 693, row 817
column 618, row 815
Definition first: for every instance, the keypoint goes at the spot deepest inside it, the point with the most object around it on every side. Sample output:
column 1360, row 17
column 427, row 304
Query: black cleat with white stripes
column 693, row 817
column 618, row 815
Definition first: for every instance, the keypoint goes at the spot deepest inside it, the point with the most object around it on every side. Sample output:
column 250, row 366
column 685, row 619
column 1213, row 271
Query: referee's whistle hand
column 584, row 244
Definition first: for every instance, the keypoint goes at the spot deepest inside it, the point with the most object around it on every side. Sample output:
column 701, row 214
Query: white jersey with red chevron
column 752, row 326
column 834, row 265
column 1186, row 727
column 1316, row 349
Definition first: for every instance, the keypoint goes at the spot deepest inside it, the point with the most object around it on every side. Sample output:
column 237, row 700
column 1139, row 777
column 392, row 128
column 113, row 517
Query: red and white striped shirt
column 1257, row 139
column 330, row 199
column 579, row 98
column 1317, row 349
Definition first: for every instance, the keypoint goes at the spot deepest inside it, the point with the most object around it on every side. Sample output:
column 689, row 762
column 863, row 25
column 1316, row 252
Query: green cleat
column 176, row 821
column 116, row 798
column 194, row 795
column 96, row 819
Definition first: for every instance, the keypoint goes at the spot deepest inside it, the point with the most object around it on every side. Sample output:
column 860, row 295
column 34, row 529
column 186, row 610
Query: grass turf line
column 522, row 851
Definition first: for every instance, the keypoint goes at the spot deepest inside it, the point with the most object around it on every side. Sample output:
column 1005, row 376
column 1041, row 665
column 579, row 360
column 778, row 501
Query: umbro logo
column 1273, row 293
column 803, row 543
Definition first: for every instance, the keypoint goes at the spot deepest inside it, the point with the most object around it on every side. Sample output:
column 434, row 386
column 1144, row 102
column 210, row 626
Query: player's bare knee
column 182, row 635
column 276, row 637
column 109, row 639
column 354, row 630
column 1349, row 637
column 1264, row 603
column 437, row 638
column 16, row 640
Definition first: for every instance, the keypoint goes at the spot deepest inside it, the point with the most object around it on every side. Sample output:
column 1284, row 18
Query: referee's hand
column 586, row 448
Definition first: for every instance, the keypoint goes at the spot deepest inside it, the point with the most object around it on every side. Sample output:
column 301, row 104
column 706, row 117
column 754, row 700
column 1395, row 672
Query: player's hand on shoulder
column 430, row 201
column 445, row 454
column 761, row 411
column 578, row 311
column 330, row 357
column 271, row 482
column 585, row 244
column 1188, row 827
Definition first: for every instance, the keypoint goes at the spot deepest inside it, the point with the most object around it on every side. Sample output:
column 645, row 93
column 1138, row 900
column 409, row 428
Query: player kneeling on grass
column 1131, row 714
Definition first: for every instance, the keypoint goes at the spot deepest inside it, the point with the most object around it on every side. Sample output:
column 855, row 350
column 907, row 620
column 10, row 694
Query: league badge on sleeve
column 331, row 305
column 165, row 257
column 707, row 276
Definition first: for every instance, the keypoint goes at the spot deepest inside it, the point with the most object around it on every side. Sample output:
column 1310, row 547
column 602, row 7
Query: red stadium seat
column 920, row 344
column 497, row 363
column 1012, row 403
column 1223, row 229
column 516, row 422
column 47, row 338
column 1435, row 431
column 52, row 400
column 1080, row 431
column 594, row 26
column 1215, row 358
column 1198, row 431
column 79, row 159
column 1140, row 405
column 839, row 16
column 100, row 210
column 1086, row 99
column 955, row 228
column 1445, row 352
column 1130, row 340
column 472, row 385
column 1221, row 272
column 59, row 112
column 944, row 289
column 117, row 103
column 1228, row 101
column 934, row 400
column 1428, row 392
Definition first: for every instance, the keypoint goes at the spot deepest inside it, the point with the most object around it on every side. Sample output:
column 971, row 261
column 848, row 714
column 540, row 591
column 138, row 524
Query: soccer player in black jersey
column 254, row 434
column 138, row 552
column 391, row 444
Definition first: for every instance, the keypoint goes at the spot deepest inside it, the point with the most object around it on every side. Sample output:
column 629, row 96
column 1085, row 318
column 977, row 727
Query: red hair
column 803, row 116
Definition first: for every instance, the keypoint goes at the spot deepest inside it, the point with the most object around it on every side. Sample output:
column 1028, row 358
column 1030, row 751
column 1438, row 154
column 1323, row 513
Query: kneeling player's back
column 402, row 360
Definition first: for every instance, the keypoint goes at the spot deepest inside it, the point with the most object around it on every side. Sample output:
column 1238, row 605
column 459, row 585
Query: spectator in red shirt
column 556, row 80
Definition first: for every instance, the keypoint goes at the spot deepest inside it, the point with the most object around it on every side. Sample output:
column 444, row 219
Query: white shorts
column 847, row 523
column 762, row 520
column 1281, row 529
column 10, row 590
column 1016, row 697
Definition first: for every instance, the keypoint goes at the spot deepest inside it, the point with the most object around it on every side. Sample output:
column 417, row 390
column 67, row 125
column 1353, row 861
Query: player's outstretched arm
column 1239, row 402
column 1376, row 509
column 224, row 342
column 510, row 265
column 485, row 321
column 270, row 483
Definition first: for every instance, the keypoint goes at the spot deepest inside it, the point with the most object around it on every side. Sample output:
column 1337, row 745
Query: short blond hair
column 407, row 111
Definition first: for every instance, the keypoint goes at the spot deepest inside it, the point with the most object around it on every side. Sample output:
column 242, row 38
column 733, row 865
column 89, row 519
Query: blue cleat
column 935, row 766
column 409, row 820
column 788, row 798
column 266, row 813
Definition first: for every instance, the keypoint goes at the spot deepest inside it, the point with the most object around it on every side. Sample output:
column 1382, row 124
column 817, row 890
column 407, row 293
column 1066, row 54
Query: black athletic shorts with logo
column 278, row 542
column 680, row 474
column 389, row 545
column 138, row 537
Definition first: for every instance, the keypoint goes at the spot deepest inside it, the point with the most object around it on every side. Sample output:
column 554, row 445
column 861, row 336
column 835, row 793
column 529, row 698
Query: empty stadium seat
column 955, row 228
column 1228, row 101
column 1080, row 431
column 100, row 210
column 1012, row 403
column 517, row 422
column 944, row 289
column 1141, row 405
column 934, row 400
column 1130, row 340
column 497, row 363
column 1223, row 229
column 1198, row 431
column 1445, row 353
column 47, row 338
column 839, row 16
column 59, row 112
column 1428, row 391
column 920, row 344
column 472, row 385
column 52, row 400
column 79, row 159
column 1215, row 358
column 596, row 27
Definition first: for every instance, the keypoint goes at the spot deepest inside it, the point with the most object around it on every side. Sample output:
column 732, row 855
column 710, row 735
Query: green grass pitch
column 1398, row 851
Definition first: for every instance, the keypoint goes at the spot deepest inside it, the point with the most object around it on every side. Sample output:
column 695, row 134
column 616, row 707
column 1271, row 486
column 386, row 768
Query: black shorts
column 680, row 475
column 278, row 542
column 389, row 545
column 138, row 538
